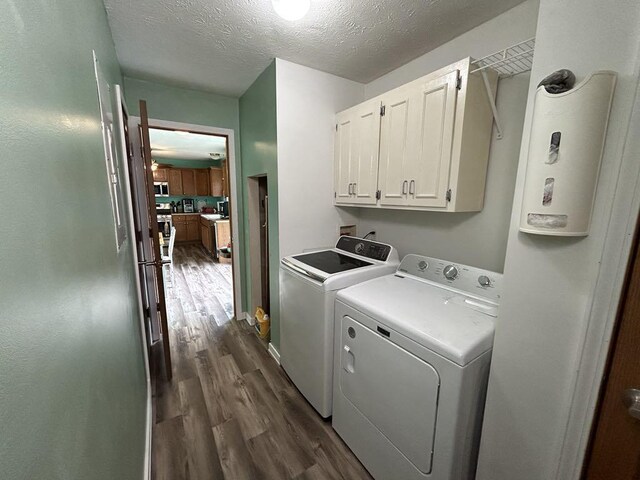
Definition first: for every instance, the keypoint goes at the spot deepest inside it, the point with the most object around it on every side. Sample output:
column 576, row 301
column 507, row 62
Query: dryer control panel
column 474, row 281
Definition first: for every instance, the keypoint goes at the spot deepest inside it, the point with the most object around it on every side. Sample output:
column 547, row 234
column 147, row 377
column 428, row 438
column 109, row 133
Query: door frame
column 616, row 241
column 624, row 311
column 232, row 168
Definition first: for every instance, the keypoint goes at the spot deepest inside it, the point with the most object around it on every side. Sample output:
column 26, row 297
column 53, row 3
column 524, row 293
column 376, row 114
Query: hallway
column 230, row 411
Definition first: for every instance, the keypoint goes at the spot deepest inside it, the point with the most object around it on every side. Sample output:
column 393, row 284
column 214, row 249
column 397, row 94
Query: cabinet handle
column 354, row 189
column 350, row 185
column 412, row 187
column 404, row 187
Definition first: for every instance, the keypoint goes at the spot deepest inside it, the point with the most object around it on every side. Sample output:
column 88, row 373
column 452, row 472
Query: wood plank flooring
column 230, row 411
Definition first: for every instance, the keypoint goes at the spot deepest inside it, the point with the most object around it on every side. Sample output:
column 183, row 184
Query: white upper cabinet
column 395, row 150
column 428, row 144
column 356, row 158
column 343, row 154
column 432, row 141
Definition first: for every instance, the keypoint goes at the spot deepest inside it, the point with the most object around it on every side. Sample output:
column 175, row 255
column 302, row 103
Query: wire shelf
column 511, row 61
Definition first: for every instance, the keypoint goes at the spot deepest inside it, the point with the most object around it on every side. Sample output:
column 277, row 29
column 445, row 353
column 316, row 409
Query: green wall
column 175, row 104
column 72, row 384
column 259, row 157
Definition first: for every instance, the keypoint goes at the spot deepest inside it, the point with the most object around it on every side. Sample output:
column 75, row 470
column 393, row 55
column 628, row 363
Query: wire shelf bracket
column 511, row 61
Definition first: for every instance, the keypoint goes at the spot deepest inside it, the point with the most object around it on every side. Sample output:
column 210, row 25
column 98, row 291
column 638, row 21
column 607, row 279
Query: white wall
column 477, row 239
column 307, row 101
column 553, row 286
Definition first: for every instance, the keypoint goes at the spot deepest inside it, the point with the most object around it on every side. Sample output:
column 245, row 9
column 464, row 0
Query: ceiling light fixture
column 154, row 165
column 291, row 9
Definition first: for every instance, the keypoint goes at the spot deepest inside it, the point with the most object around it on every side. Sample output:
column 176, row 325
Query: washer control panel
column 366, row 248
column 472, row 280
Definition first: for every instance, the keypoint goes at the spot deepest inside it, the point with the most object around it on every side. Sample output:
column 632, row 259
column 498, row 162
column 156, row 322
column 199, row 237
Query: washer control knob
column 450, row 272
column 484, row 281
column 359, row 248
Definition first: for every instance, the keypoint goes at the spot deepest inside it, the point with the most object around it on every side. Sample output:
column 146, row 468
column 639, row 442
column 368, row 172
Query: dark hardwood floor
column 230, row 411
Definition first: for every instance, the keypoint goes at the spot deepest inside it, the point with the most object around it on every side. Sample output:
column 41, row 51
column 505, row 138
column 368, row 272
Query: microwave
column 161, row 189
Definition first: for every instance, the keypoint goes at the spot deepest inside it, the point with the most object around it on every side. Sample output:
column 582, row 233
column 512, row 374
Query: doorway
column 203, row 185
column 615, row 439
column 258, row 210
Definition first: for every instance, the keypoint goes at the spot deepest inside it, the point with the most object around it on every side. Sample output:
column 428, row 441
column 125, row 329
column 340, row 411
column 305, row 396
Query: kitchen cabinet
column 206, row 235
column 193, row 228
column 223, row 234
column 216, row 179
column 174, row 177
column 225, row 179
column 202, row 182
column 422, row 146
column 180, row 224
column 188, row 182
column 187, row 228
column 160, row 175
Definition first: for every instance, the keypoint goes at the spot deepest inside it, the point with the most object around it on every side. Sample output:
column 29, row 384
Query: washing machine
column 412, row 352
column 308, row 286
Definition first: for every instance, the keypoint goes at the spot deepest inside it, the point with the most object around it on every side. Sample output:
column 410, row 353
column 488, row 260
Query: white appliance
column 412, row 354
column 161, row 189
column 308, row 286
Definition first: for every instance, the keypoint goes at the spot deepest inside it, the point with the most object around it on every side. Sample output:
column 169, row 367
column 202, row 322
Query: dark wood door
column 202, row 182
column 155, row 238
column 615, row 446
column 188, row 182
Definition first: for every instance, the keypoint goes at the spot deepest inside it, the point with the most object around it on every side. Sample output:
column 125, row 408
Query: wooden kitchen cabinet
column 187, row 228
column 193, row 228
column 225, row 179
column 223, row 234
column 202, row 182
column 421, row 146
column 174, row 177
column 160, row 175
column 188, row 182
column 180, row 224
column 206, row 235
column 216, row 178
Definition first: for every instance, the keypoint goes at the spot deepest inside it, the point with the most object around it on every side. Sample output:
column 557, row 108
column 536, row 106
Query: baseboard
column 274, row 353
column 249, row 318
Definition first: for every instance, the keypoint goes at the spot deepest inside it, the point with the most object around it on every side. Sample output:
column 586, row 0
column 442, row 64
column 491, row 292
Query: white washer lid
column 437, row 318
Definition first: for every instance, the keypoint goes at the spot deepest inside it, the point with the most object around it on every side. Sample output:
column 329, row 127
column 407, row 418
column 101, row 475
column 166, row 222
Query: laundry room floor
column 230, row 412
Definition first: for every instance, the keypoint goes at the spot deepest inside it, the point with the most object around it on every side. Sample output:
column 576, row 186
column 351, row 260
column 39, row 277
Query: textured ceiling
column 184, row 145
column 223, row 45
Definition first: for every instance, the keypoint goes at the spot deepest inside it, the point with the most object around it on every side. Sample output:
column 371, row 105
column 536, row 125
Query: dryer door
column 395, row 390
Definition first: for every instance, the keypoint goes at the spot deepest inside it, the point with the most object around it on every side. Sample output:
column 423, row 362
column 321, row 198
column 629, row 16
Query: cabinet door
column 394, row 137
column 223, row 234
column 364, row 153
column 160, row 175
column 205, row 234
column 342, row 157
column 202, row 182
column 431, row 141
column 225, row 179
column 216, row 179
column 188, row 182
column 174, row 177
column 193, row 230
column 181, row 230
